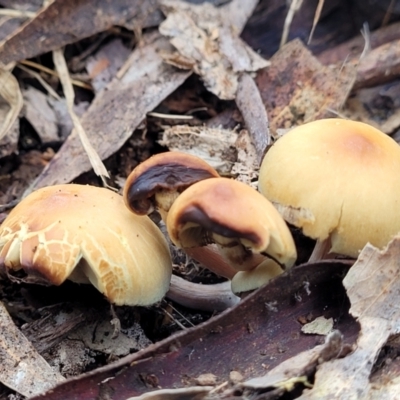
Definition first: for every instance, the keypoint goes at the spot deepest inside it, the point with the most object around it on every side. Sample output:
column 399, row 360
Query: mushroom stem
column 321, row 250
column 216, row 297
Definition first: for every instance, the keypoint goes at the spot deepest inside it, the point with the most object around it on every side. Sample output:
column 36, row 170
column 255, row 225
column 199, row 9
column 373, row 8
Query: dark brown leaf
column 251, row 338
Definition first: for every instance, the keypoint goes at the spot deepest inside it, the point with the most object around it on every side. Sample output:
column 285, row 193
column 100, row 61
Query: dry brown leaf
column 63, row 22
column 11, row 94
column 297, row 89
column 373, row 287
column 103, row 65
column 260, row 321
column 205, row 38
column 40, row 115
column 22, row 368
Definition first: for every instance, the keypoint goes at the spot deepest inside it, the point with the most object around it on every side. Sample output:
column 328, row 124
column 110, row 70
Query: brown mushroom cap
column 233, row 215
column 164, row 175
column 339, row 178
column 85, row 233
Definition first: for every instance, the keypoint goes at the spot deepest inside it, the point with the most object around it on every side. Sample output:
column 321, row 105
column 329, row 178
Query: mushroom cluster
column 87, row 235
column 224, row 224
column 337, row 180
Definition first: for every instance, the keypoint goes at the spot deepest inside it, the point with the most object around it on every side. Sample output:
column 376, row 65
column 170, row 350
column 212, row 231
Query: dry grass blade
column 294, row 7
column 8, row 12
column 11, row 93
column 61, row 66
column 317, row 16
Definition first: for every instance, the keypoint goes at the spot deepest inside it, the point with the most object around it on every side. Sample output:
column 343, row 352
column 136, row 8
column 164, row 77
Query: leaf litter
column 291, row 88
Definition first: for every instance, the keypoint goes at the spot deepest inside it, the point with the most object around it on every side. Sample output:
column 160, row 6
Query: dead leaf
column 300, row 366
column 103, row 66
column 9, row 143
column 258, row 323
column 61, row 23
column 373, row 287
column 297, row 89
column 320, row 326
column 22, row 368
column 40, row 115
column 203, row 36
column 11, row 94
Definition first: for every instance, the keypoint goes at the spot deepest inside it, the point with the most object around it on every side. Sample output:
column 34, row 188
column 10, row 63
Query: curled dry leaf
column 22, row 368
column 11, row 94
column 372, row 286
column 207, row 40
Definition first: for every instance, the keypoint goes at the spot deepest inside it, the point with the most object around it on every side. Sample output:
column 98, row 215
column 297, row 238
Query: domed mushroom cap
column 86, row 234
column 339, row 178
column 230, row 213
column 156, row 182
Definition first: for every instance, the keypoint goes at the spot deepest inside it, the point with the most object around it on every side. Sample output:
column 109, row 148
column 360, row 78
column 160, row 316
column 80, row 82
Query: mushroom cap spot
column 71, row 231
column 233, row 210
column 172, row 172
column 345, row 174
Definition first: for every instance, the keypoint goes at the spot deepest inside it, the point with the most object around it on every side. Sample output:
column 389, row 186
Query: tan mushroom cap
column 230, row 212
column 86, row 234
column 336, row 177
column 156, row 182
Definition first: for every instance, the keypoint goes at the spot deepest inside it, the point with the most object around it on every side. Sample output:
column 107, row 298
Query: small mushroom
column 87, row 235
column 157, row 182
column 240, row 221
column 338, row 181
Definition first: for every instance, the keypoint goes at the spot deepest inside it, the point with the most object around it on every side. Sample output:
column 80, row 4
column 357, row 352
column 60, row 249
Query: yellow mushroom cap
column 339, row 178
column 231, row 210
column 86, row 234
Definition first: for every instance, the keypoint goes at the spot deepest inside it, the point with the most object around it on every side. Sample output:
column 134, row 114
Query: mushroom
column 158, row 181
column 86, row 234
column 337, row 180
column 243, row 224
